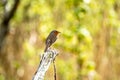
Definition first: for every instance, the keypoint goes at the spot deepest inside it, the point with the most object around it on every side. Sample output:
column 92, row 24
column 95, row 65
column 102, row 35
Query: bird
column 52, row 37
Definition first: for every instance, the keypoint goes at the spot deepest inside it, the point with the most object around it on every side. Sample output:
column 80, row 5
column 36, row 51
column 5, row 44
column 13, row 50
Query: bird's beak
column 59, row 32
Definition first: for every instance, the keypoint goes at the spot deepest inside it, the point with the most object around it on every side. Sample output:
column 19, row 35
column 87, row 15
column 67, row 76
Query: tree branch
column 55, row 77
column 47, row 58
column 4, row 28
column 8, row 16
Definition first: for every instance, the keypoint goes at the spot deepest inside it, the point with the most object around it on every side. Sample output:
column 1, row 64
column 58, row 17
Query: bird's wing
column 48, row 42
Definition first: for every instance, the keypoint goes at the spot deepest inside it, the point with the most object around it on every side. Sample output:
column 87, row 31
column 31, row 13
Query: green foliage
column 2, row 77
column 89, row 29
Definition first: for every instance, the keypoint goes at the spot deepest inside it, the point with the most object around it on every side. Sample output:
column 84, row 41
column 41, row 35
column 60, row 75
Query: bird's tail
column 46, row 48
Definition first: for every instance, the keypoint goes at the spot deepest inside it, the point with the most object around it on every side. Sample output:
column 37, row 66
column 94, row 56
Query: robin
column 52, row 37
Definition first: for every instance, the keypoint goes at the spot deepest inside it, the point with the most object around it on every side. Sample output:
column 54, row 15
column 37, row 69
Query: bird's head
column 55, row 32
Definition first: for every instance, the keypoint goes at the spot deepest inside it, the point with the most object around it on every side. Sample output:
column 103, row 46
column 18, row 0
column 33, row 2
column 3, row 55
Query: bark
column 45, row 62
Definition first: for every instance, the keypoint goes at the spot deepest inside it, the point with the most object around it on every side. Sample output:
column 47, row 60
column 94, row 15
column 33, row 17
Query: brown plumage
column 52, row 37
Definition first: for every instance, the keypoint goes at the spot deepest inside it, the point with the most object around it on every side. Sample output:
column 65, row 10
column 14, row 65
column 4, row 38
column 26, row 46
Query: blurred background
column 89, row 43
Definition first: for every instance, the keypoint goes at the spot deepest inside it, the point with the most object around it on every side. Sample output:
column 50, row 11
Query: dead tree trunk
column 45, row 62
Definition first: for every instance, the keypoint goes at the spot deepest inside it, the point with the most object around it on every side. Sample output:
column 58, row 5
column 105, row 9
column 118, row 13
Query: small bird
column 52, row 37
